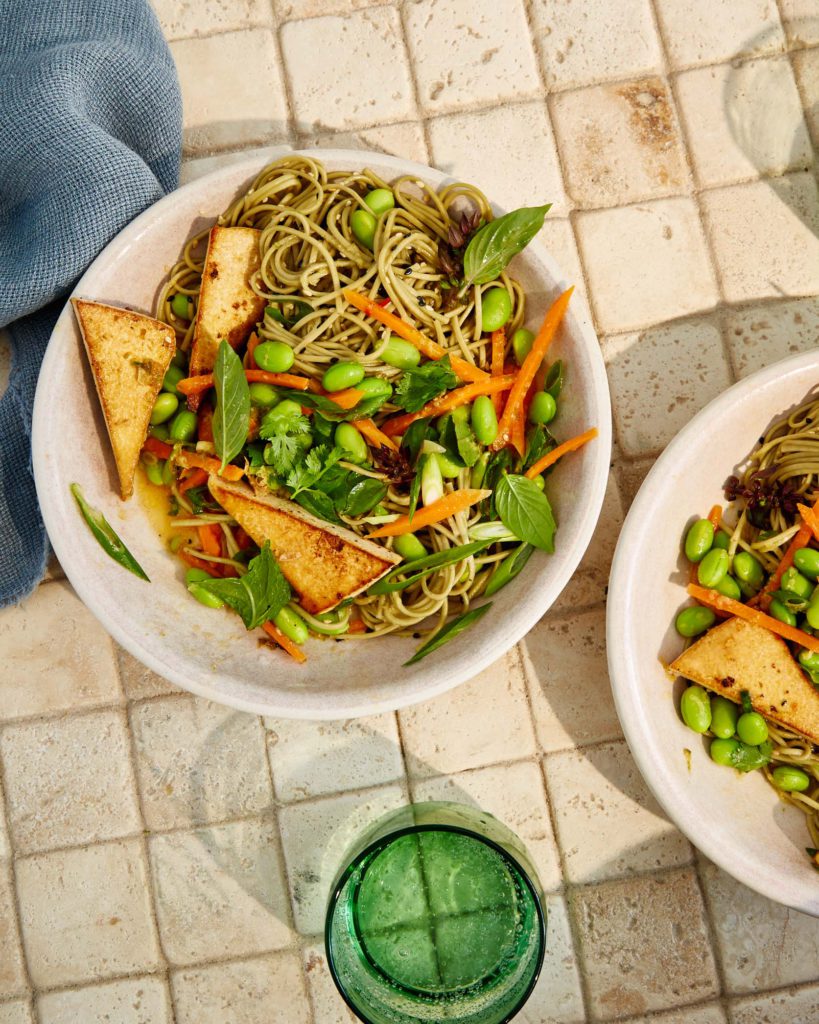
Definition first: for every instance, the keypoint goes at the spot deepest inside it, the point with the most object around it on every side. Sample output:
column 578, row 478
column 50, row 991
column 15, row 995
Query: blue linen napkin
column 90, row 135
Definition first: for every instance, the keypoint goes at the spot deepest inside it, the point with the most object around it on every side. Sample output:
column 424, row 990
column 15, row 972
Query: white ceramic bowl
column 737, row 821
column 212, row 654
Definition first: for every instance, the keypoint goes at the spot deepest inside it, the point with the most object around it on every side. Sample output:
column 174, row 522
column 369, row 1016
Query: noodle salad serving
column 341, row 396
column 754, row 671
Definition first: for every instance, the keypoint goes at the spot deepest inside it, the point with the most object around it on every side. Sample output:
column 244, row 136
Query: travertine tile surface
column 168, row 861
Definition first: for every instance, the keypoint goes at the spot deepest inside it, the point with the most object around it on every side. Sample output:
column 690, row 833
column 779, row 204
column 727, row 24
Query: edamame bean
column 193, row 575
column 809, row 659
column 292, row 625
column 172, row 377
column 342, row 375
column 168, row 474
column 752, row 728
column 522, row 344
column 806, row 561
column 263, row 395
column 461, row 414
column 747, row 570
column 375, row 387
column 812, row 611
column 380, row 200
column 348, row 438
column 790, row 780
column 695, row 620
column 721, row 540
column 364, row 224
column 182, row 306
column 274, row 356
column 408, row 546
column 721, row 750
column 695, row 708
column 539, row 482
column 698, row 540
column 781, row 612
column 543, row 408
column 448, row 466
column 164, row 407
column 285, row 410
column 795, row 583
column 729, row 587
column 204, row 596
column 153, row 470
column 713, row 568
column 496, row 308
column 183, row 426
column 484, row 419
column 400, row 353
column 159, row 431
column 724, row 715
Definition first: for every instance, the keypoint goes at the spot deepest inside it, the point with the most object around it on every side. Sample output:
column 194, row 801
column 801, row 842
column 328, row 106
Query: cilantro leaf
column 746, row 758
column 417, row 387
column 258, row 595
column 289, row 438
column 315, row 465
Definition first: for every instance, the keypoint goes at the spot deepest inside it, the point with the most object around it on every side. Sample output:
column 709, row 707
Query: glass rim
column 383, row 841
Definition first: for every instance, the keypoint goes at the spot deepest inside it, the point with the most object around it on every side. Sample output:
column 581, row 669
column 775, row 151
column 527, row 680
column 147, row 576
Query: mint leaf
column 417, row 387
column 363, row 496
column 258, row 595
column 525, row 511
column 493, row 246
column 746, row 758
column 231, row 417
column 319, row 504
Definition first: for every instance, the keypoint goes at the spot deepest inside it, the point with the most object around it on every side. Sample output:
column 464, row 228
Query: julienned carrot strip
column 377, row 438
column 715, row 516
column 284, row 642
column 713, row 599
column 449, row 401
column 218, row 569
column 562, row 449
column 357, row 626
column 443, row 508
column 250, row 359
column 195, row 478
column 210, row 537
column 431, row 349
column 800, row 540
column 193, row 460
column 196, row 385
column 531, row 364
column 810, row 519
column 498, row 349
column 346, row 399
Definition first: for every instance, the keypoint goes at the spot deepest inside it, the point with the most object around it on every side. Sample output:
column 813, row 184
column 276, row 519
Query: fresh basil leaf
column 746, row 758
column 364, row 495
column 526, row 511
column 540, row 442
column 499, row 463
column 318, row 504
column 508, row 569
column 415, row 487
column 494, row 245
column 336, row 481
column 106, row 536
column 414, row 436
column 417, row 387
column 554, row 379
column 449, row 632
column 231, row 417
column 315, row 464
column 418, row 568
column 258, row 595
column 287, row 310
column 328, row 408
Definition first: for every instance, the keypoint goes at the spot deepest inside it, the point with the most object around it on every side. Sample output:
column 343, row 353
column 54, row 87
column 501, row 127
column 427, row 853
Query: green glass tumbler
column 436, row 916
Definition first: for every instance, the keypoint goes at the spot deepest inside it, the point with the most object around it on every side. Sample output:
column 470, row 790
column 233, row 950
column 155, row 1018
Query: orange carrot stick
column 195, row 478
column 250, row 360
column 284, row 642
column 210, row 537
column 204, row 381
column 346, row 399
column 800, row 539
column 449, row 401
column 375, row 437
column 498, row 349
column 562, row 449
column 713, row 599
column 810, row 519
column 192, row 460
column 357, row 626
column 431, row 349
column 714, row 516
column 531, row 364
column 443, row 508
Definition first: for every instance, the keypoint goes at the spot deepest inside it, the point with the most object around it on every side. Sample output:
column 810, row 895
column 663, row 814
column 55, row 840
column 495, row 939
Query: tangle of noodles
column 309, row 255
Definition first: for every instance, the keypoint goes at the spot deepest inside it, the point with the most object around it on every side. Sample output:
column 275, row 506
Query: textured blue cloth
column 90, row 135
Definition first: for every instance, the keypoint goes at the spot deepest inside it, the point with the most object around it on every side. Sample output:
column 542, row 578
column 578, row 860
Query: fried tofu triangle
column 129, row 354
column 228, row 306
column 323, row 563
column 739, row 655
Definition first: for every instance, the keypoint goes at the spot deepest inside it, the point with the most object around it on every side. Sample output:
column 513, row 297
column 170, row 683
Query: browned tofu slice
column 228, row 306
column 129, row 354
column 738, row 655
column 323, row 563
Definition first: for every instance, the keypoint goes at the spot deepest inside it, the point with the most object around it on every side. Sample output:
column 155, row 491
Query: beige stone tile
column 631, row 474
column 128, row 1001
column 293, row 9
column 138, row 680
column 269, row 990
column 12, row 974
column 220, row 892
column 557, row 998
column 478, row 723
column 646, row 263
column 586, row 41
column 198, row 762
column 469, row 54
column 328, row 1005
column 357, row 48
column 660, row 377
column 55, row 655
column 5, row 842
column 85, row 914
column 645, row 944
column 69, row 781
column 244, row 109
column 181, row 19
column 565, row 661
column 761, row 335
column 707, row 31
column 620, row 143
column 514, row 794
column 608, row 823
column 317, row 839
column 743, row 120
column 317, row 758
column 791, row 1006
column 17, row 1012
column 405, row 140
column 558, row 237
column 801, row 21
column 766, row 237
column 806, row 66
column 712, row 1013
column 524, row 171
column 762, row 944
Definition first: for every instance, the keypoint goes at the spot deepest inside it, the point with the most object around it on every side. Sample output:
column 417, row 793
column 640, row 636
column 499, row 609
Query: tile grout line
column 421, row 115
column 11, row 874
